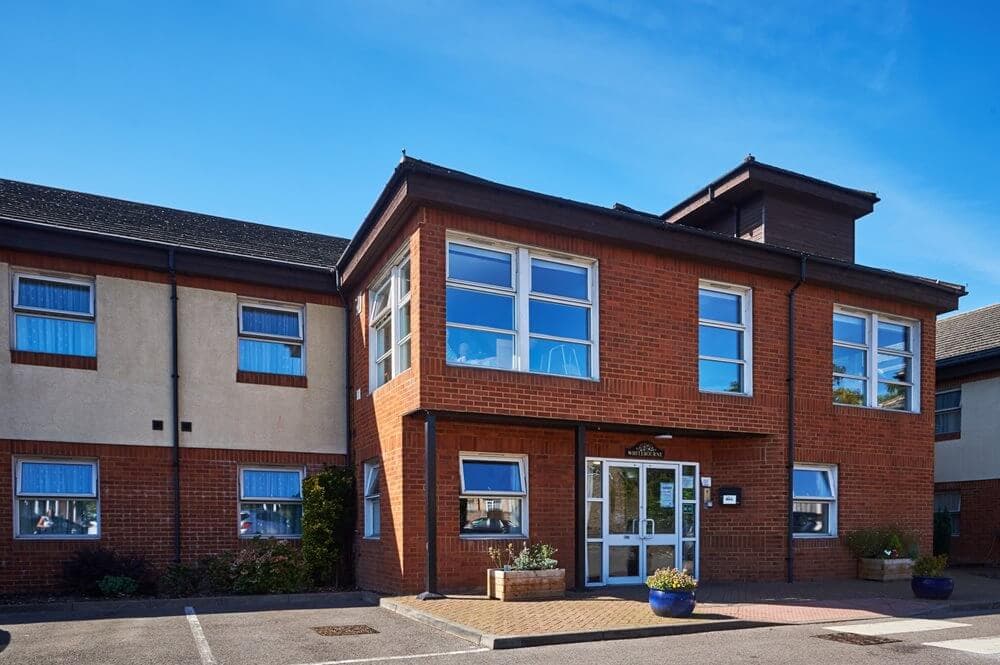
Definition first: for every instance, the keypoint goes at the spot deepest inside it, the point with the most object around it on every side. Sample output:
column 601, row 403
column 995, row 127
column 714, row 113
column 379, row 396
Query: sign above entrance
column 644, row 449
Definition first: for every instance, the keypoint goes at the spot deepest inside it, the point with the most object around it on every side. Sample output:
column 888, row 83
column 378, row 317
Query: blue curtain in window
column 484, row 476
column 272, row 484
column 45, row 335
column 53, row 478
column 53, row 295
column 270, row 322
column 270, row 357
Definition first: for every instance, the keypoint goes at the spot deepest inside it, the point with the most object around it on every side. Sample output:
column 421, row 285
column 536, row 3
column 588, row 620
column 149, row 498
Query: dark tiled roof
column 21, row 201
column 971, row 332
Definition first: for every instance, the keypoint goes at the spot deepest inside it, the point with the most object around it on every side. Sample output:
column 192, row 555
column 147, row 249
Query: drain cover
column 340, row 631
column 860, row 640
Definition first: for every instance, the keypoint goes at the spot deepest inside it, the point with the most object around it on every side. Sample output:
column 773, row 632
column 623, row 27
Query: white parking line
column 981, row 645
column 199, row 637
column 407, row 657
column 894, row 627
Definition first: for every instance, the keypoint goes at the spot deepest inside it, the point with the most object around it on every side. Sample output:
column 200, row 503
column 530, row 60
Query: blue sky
column 294, row 113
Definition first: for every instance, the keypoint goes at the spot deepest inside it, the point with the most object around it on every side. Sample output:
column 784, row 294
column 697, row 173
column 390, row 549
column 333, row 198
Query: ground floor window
column 951, row 503
column 814, row 509
column 493, row 500
column 373, row 500
column 56, row 499
column 270, row 502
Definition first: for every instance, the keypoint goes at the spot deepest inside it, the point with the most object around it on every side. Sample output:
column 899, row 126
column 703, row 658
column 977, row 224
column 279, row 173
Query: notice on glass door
column 666, row 495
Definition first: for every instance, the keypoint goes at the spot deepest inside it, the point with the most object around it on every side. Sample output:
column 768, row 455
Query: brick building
column 967, row 453
column 637, row 389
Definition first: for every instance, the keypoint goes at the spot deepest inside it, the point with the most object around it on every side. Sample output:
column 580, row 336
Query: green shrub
column 118, row 586
column 887, row 542
column 930, row 566
column 671, row 579
column 269, row 566
column 216, row 574
column 85, row 569
column 327, row 524
column 179, row 581
column 539, row 556
column 942, row 532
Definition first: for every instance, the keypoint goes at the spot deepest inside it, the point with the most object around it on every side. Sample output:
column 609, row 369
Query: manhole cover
column 860, row 640
column 340, row 631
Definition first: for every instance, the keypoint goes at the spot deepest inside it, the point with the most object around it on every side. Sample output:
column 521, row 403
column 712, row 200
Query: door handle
column 653, row 522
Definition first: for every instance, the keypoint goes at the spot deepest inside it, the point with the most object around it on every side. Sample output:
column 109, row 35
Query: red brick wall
column 136, row 504
column 979, row 529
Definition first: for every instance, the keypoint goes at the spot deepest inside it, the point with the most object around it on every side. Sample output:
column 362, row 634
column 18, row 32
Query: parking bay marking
column 894, row 627
column 199, row 637
column 980, row 645
column 379, row 659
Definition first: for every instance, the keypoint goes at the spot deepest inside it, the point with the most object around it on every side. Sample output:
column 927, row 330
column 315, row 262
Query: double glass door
column 649, row 520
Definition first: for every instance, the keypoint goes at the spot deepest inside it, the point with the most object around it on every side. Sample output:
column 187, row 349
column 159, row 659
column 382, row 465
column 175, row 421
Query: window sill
column 590, row 379
column 265, row 379
column 57, row 538
column 491, row 536
column 725, row 393
column 375, row 538
column 948, row 436
column 879, row 409
column 53, row 360
column 818, row 536
column 251, row 536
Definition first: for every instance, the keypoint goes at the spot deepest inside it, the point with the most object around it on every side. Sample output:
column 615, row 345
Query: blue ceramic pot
column 932, row 588
column 671, row 603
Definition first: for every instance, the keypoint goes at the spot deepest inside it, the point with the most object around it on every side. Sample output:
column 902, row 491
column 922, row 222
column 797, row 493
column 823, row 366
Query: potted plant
column 531, row 574
column 928, row 580
column 884, row 553
column 671, row 592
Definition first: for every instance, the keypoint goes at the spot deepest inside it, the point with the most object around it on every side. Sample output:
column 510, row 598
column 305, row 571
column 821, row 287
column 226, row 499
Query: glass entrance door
column 641, row 533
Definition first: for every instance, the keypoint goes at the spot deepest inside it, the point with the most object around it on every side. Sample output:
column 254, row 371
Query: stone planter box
column 885, row 570
column 525, row 584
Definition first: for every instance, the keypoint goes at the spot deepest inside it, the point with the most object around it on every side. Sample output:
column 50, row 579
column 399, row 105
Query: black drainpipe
column 175, row 406
column 790, row 538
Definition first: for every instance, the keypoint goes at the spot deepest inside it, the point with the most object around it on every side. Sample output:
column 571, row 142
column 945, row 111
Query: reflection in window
column 814, row 490
column 723, row 339
column 492, row 496
column 270, row 502
column 56, row 499
column 389, row 323
column 859, row 363
column 948, row 412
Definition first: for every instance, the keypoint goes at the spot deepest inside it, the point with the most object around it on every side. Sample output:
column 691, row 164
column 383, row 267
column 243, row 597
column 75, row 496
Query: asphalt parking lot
column 277, row 637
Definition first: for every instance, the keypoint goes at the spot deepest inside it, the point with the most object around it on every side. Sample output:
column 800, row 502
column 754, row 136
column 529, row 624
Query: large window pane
column 55, row 296
column 595, row 480
column 848, row 328
column 270, row 357
column 812, row 483
column 270, row 519
column 57, row 517
column 894, row 368
column 848, row 360
column 563, row 358
column 559, row 279
column 718, row 376
column 270, row 322
column 893, row 396
column 476, row 347
column 811, row 517
column 487, row 516
column 595, row 525
column 720, row 342
column 948, row 422
column 849, row 391
column 44, row 335
column 56, row 478
column 491, row 476
column 380, row 297
column 949, row 400
column 476, row 308
column 549, row 318
column 473, row 264
column 595, row 554
column 272, row 484
column 719, row 306
column 893, row 336
column 404, row 320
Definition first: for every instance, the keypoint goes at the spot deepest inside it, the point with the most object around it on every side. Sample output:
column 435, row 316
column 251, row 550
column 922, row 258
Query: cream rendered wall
column 226, row 414
column 976, row 455
column 116, row 403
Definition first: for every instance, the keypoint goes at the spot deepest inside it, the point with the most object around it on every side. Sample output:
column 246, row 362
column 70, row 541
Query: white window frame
column 949, row 410
column 390, row 278
column 299, row 340
column 241, row 498
column 833, row 472
column 746, row 305
column 522, row 294
column 522, row 462
column 18, row 308
column 18, row 495
column 871, row 349
column 372, row 499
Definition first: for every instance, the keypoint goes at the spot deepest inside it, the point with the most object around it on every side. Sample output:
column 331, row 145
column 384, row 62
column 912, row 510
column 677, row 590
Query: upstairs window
column 271, row 339
column 493, row 499
column 54, row 315
column 948, row 412
column 724, row 339
column 271, row 502
column 875, row 360
column 56, row 499
column 390, row 324
column 520, row 309
column 814, row 507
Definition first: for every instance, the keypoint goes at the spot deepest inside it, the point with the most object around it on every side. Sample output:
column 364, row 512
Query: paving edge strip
column 542, row 639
